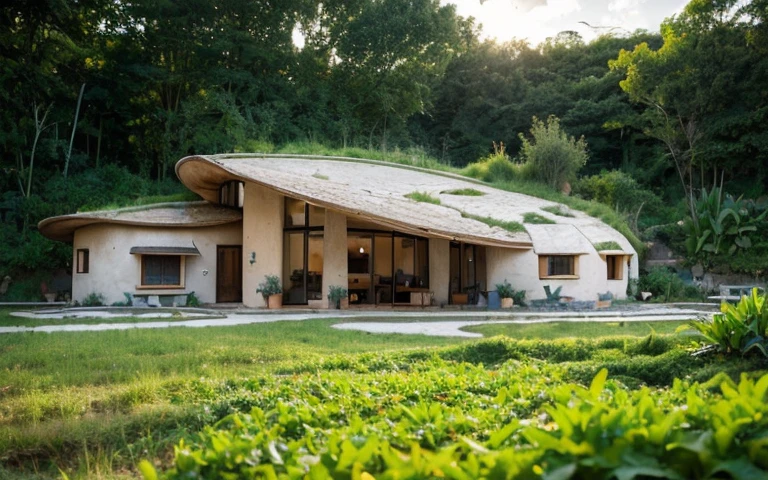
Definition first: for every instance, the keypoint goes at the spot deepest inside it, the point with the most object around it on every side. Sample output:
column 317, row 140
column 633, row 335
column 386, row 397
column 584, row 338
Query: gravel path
column 425, row 323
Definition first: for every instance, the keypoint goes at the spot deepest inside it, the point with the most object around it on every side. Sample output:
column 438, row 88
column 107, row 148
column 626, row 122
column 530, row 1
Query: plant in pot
column 272, row 291
column 335, row 295
column 506, row 293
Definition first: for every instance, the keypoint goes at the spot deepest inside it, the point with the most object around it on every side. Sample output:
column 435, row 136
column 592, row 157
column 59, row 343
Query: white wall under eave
column 521, row 269
column 335, row 270
column 439, row 269
column 263, row 237
column 113, row 270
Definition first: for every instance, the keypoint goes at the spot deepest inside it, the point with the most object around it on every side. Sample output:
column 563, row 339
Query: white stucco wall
column 263, row 236
column 521, row 269
column 113, row 270
column 334, row 253
column 439, row 269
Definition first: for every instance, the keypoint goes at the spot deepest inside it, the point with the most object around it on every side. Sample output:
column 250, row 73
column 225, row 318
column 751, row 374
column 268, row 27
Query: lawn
column 94, row 404
column 552, row 330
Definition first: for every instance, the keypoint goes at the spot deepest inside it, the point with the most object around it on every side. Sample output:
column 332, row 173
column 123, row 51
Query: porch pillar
column 262, row 240
column 439, row 269
column 334, row 253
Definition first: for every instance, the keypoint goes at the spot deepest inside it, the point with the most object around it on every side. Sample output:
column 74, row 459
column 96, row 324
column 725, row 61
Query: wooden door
column 229, row 273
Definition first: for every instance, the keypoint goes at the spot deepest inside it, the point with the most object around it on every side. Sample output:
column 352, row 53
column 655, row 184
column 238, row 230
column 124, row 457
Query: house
column 317, row 222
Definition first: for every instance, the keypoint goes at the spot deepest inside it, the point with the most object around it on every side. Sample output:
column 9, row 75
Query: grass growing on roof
column 418, row 158
column 467, row 192
column 535, row 218
column 609, row 245
column 558, row 210
column 186, row 196
column 423, row 197
column 509, row 226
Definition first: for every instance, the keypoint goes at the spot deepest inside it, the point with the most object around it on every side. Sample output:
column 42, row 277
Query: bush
column 738, row 328
column 620, row 191
column 93, row 299
column 496, row 167
column 662, row 283
column 552, row 156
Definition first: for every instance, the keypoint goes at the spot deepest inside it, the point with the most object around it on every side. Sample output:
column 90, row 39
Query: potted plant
column 335, row 295
column 272, row 291
column 506, row 293
column 50, row 297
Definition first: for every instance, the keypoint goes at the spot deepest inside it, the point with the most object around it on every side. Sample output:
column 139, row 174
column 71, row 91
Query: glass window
column 161, row 270
column 560, row 265
column 315, row 266
column 293, row 269
column 232, row 194
column 316, row 216
column 295, row 213
column 83, row 260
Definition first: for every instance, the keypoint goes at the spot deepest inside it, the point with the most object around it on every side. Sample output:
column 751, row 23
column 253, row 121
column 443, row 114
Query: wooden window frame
column 617, row 272
column 182, row 270
column 544, row 268
column 86, row 264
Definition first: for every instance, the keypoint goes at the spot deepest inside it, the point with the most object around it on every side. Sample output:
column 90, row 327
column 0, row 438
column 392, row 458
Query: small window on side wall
column 615, row 264
column 558, row 266
column 82, row 261
column 231, row 194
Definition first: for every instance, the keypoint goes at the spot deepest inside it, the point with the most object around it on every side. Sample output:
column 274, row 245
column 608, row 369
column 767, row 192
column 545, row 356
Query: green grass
column 513, row 227
column 467, row 192
column 558, row 210
column 535, row 218
column 95, row 403
column 610, row 245
column 186, row 196
column 554, row 330
column 423, row 197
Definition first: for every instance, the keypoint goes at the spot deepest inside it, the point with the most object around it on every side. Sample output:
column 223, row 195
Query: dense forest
column 101, row 98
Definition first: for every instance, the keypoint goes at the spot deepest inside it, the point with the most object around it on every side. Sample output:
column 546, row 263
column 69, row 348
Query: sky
column 536, row 20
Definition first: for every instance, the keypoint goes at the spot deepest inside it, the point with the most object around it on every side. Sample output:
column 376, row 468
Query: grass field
column 95, row 403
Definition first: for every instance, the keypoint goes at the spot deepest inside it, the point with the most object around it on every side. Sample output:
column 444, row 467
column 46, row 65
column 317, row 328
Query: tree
column 551, row 155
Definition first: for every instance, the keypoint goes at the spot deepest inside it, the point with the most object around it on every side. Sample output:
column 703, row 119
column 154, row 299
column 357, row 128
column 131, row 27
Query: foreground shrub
column 739, row 328
column 322, row 427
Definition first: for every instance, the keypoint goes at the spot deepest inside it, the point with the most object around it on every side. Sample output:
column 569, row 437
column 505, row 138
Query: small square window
column 558, row 266
column 82, row 262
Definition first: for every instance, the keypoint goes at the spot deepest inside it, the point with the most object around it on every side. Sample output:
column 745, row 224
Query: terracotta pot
column 507, row 302
column 275, row 301
column 459, row 298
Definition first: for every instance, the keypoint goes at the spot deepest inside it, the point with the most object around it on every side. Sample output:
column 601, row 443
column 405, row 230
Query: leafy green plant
column 558, row 210
column 721, row 225
column 504, row 289
column 335, row 294
column 93, row 299
column 125, row 303
column 423, row 197
column 192, row 300
column 535, row 218
column 270, row 286
column 739, row 328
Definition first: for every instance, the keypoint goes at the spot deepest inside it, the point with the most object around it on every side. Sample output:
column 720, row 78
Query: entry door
column 229, row 273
